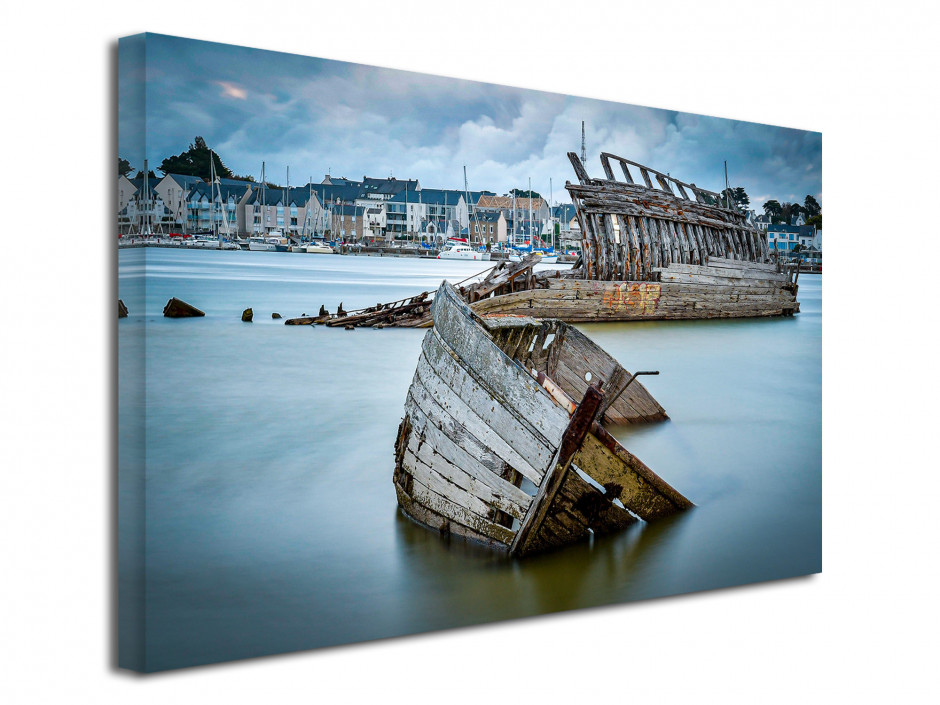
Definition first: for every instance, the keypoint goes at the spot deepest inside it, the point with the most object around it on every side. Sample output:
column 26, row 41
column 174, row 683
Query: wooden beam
column 578, row 427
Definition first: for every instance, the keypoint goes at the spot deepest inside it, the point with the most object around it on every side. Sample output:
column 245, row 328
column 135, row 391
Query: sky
column 319, row 116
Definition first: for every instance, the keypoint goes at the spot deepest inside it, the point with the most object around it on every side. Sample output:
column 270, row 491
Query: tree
column 815, row 221
column 811, row 207
column 773, row 209
column 788, row 211
column 124, row 167
column 737, row 197
column 140, row 174
column 195, row 162
column 519, row 193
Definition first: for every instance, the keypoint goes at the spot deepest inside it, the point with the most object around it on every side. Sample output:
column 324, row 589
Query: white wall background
column 863, row 631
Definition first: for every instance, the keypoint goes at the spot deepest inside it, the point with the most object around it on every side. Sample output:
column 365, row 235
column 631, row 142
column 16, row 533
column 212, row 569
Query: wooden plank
column 637, row 492
column 578, row 167
column 632, row 406
column 530, row 452
column 492, row 368
column 722, row 262
column 587, row 301
column 452, row 481
column 426, row 496
column 448, row 437
column 435, row 521
column 573, row 436
column 591, row 506
column 626, row 172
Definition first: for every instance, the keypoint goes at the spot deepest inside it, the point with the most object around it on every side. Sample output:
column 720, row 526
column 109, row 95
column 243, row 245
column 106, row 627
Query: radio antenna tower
column 583, row 149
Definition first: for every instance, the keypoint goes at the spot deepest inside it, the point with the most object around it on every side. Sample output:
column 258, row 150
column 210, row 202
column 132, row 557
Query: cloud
column 232, row 91
column 351, row 120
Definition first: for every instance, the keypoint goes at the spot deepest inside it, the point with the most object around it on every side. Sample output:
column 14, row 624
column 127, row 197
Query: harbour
column 242, row 418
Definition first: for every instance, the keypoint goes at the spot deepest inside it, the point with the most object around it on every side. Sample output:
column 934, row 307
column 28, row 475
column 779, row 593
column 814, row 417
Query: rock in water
column 180, row 309
column 247, row 314
column 122, row 309
column 275, row 315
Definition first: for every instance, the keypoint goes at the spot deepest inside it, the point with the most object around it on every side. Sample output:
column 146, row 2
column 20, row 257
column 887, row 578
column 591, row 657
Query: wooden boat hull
column 723, row 289
column 481, row 435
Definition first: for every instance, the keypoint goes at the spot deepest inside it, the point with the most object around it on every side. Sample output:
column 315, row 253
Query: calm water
column 271, row 523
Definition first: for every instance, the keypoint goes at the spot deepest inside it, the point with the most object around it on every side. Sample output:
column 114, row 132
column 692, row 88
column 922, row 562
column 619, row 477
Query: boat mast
column 212, row 203
column 263, row 189
column 727, row 191
column 531, row 236
column 307, row 211
column 144, row 224
column 512, row 242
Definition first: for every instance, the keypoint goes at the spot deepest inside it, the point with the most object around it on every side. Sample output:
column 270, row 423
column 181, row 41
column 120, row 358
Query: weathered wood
column 722, row 262
column 640, row 490
column 443, row 506
column 574, row 434
column 452, row 477
column 476, row 423
column 421, row 514
column 504, row 379
column 533, row 449
column 122, row 309
column 575, row 301
column 578, row 167
column 482, row 453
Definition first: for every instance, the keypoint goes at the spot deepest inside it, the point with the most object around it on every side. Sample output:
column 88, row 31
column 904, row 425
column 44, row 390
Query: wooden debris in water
column 122, row 309
column 247, row 315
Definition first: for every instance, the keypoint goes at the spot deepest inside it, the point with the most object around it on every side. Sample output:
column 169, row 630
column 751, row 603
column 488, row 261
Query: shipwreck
column 649, row 251
column 503, row 440
column 655, row 252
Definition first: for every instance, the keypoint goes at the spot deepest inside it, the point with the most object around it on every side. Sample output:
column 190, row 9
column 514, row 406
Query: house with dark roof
column 487, row 227
column 348, row 223
column 208, row 206
column 566, row 215
column 297, row 212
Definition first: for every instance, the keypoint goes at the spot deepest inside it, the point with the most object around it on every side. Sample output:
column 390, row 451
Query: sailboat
column 258, row 242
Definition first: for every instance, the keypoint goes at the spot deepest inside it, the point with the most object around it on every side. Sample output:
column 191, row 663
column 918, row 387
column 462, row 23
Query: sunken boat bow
column 503, row 438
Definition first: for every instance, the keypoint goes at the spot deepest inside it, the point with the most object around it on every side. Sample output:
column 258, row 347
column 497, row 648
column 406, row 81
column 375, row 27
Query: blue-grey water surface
column 270, row 522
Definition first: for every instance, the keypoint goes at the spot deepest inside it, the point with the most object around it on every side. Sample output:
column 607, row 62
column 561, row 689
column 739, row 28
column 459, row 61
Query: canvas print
column 401, row 353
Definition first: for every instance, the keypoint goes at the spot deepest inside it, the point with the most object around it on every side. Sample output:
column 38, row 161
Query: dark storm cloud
column 317, row 115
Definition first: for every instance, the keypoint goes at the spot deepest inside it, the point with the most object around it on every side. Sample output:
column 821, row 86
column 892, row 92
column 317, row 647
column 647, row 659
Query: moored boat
column 258, row 243
column 320, row 248
column 463, row 252
column 493, row 446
